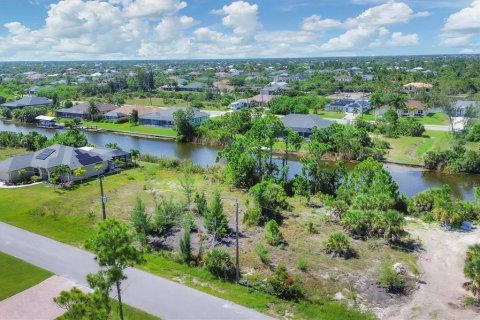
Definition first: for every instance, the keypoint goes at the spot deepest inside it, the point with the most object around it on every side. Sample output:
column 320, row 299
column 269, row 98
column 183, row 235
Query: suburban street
column 150, row 293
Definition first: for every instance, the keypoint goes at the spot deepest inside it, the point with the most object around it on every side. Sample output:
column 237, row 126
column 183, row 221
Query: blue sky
column 171, row 29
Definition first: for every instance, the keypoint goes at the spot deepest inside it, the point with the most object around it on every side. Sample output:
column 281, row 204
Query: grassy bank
column 127, row 127
column 411, row 150
column 17, row 275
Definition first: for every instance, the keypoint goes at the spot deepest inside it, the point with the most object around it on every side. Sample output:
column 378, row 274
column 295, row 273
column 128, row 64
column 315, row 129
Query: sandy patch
column 440, row 294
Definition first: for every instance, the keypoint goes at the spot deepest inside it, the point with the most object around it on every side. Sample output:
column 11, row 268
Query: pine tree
column 140, row 220
column 215, row 220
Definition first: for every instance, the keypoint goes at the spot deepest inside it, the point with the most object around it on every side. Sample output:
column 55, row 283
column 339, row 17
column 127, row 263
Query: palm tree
column 135, row 155
column 338, row 244
column 398, row 102
column 80, row 172
column 376, row 100
column 471, row 270
column 92, row 109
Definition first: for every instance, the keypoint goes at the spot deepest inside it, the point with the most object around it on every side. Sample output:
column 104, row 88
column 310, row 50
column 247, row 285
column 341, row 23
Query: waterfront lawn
column 6, row 153
column 412, row 149
column 128, row 127
column 17, row 275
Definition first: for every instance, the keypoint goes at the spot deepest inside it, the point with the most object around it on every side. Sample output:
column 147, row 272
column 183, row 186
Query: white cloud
column 242, row 17
column 151, row 8
column 350, row 40
column 171, row 28
column 386, row 14
column 121, row 29
column 316, row 23
column 461, row 26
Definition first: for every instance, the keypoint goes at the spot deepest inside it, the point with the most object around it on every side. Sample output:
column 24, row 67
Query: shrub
column 272, row 233
column 140, row 220
column 389, row 278
column 167, row 214
column 425, row 201
column 270, row 198
column 338, row 244
column 262, row 252
column 215, row 220
column 302, row 264
column 201, row 203
column 35, row 179
column 122, row 120
column 252, row 217
column 219, row 263
column 310, row 227
column 284, row 286
column 471, row 270
column 410, row 127
column 185, row 246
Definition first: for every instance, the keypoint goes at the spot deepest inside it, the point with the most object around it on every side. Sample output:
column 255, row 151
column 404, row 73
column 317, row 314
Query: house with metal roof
column 41, row 163
column 81, row 110
column 28, row 101
column 165, row 117
column 304, row 123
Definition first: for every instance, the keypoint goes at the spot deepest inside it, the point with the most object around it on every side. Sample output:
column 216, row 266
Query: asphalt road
column 155, row 295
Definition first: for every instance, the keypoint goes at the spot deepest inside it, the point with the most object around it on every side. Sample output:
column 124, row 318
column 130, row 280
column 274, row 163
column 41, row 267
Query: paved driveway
column 155, row 295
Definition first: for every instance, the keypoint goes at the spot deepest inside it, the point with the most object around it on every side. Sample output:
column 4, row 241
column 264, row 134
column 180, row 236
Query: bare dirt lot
column 440, row 294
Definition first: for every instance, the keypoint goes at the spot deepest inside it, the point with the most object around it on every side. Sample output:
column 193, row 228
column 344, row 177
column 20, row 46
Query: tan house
column 414, row 87
column 126, row 110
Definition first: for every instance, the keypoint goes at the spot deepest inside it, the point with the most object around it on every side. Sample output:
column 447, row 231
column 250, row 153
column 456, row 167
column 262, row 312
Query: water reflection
column 410, row 180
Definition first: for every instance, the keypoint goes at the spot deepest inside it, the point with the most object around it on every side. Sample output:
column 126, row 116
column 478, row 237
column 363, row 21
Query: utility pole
column 237, row 257
column 104, row 198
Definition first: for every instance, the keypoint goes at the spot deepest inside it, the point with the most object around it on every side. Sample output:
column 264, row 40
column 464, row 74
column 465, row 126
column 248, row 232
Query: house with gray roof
column 81, row 110
column 28, row 101
column 304, row 123
column 95, row 161
column 165, row 117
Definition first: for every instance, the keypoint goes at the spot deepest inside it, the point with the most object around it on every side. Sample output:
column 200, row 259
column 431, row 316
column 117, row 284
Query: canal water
column 411, row 180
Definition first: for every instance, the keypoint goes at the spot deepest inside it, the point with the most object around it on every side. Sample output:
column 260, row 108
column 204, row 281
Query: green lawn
column 438, row 118
column 17, row 275
column 412, row 149
column 127, row 127
column 367, row 117
column 331, row 115
column 6, row 153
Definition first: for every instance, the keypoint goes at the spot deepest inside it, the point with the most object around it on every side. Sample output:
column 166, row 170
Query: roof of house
column 28, row 101
column 54, row 156
column 305, row 121
column 419, row 105
column 126, row 110
column 167, row 114
column 419, row 85
column 82, row 108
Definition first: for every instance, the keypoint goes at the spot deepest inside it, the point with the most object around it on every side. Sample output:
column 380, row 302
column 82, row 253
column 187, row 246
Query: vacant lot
column 323, row 277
